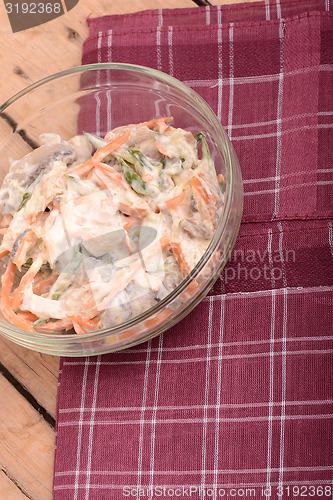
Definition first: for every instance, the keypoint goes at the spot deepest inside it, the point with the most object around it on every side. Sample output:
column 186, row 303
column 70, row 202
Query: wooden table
column 28, row 380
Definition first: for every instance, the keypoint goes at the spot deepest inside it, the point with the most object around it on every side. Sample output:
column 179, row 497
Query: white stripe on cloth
column 98, row 84
column 91, row 427
column 283, row 132
column 234, row 344
column 231, row 78
column 220, row 75
column 143, row 409
column 279, row 122
column 206, row 397
column 218, row 392
column 80, row 428
column 284, row 274
column 286, row 188
column 283, row 119
column 268, row 16
column 211, row 358
column 204, row 421
column 284, row 386
column 225, row 471
column 270, row 257
column 173, row 486
column 207, row 15
column 108, row 92
column 278, row 9
column 285, row 176
column 330, row 236
column 160, row 18
column 271, row 396
column 209, row 407
column 158, row 48
column 170, row 50
column 155, row 407
column 219, row 14
column 244, row 80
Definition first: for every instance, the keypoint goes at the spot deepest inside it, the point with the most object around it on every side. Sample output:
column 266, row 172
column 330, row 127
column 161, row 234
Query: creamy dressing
column 117, row 229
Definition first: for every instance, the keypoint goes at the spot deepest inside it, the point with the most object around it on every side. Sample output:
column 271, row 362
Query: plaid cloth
column 239, row 394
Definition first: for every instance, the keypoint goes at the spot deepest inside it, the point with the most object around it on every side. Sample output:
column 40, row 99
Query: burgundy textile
column 239, row 394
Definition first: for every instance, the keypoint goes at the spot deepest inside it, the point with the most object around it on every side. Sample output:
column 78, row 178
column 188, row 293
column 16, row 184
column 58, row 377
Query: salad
column 99, row 230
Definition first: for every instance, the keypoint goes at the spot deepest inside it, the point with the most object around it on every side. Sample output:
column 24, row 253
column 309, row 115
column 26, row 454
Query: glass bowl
column 96, row 98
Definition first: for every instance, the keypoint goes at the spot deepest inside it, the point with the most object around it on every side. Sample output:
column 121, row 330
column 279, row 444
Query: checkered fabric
column 236, row 400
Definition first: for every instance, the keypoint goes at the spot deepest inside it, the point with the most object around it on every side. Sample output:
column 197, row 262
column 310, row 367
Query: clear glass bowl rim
column 204, row 109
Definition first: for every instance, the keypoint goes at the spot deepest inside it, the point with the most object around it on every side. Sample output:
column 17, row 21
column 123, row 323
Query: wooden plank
column 36, row 372
column 9, row 489
column 30, row 55
column 26, row 444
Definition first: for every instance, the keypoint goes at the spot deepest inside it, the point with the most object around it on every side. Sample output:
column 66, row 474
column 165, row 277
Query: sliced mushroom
column 23, row 173
column 196, row 229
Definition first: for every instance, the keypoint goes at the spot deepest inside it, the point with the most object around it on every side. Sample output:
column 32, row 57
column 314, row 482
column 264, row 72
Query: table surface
column 28, row 380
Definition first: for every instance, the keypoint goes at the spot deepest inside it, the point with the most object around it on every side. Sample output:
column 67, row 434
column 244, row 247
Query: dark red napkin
column 239, row 394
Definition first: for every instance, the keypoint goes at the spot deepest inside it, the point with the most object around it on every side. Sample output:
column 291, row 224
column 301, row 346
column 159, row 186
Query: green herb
column 143, row 161
column 40, row 321
column 65, row 278
column 200, row 138
column 27, row 264
column 25, row 198
column 96, row 141
column 136, row 183
column 45, row 268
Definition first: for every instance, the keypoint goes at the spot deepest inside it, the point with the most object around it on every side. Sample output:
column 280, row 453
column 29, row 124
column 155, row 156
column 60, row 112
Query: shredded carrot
column 134, row 211
column 189, row 292
column 61, row 324
column 7, row 219
column 202, row 192
column 161, row 148
column 158, row 318
column 198, row 186
column 112, row 174
column 4, row 253
column 128, row 334
column 152, row 123
column 7, row 283
column 83, row 321
column 178, row 253
column 27, row 279
column 78, row 328
column 147, row 178
column 27, row 315
column 220, row 178
column 26, row 244
column 45, row 285
column 100, row 154
column 174, row 202
column 123, row 277
column 109, row 136
column 96, row 178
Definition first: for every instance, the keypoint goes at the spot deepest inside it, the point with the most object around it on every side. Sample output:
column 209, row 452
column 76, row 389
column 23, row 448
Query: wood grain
column 33, row 54
column 26, row 444
column 9, row 488
column 36, row 372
